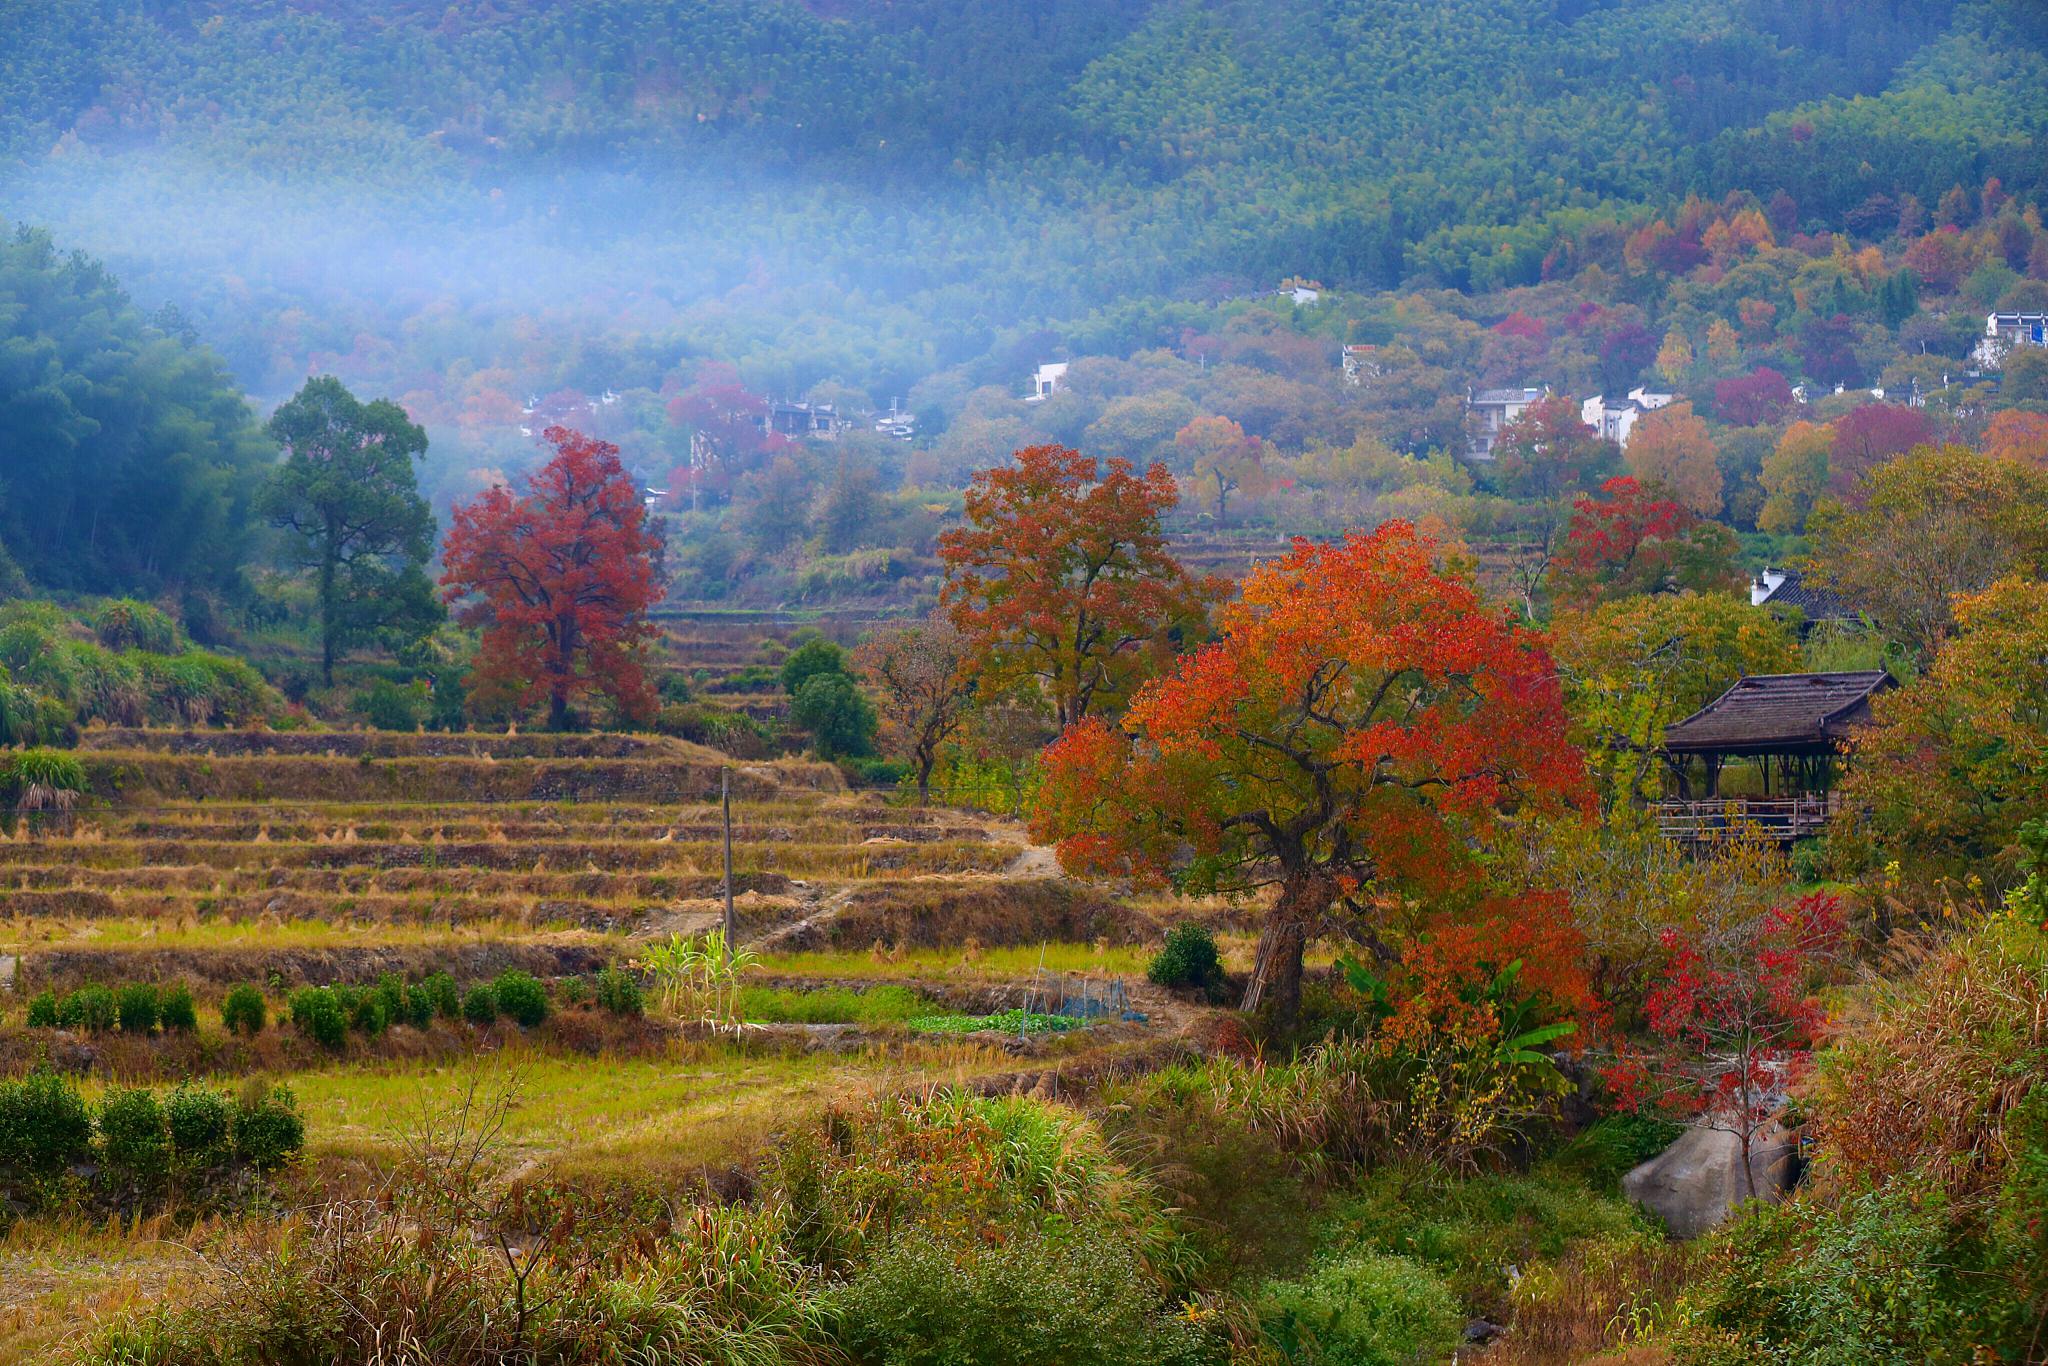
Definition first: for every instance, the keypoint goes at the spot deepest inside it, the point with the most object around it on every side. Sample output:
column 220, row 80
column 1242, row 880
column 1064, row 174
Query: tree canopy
column 1363, row 718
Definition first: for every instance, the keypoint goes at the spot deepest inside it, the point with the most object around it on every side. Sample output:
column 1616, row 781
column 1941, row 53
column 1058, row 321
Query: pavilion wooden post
column 725, row 801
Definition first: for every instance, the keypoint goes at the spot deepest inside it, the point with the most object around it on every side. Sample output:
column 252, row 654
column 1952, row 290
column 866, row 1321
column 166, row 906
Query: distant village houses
column 2003, row 332
column 1493, row 410
column 1047, row 381
column 820, row 421
column 1614, row 419
column 1361, row 363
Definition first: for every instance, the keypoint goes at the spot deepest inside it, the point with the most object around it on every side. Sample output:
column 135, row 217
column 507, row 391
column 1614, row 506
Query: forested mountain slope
column 1048, row 159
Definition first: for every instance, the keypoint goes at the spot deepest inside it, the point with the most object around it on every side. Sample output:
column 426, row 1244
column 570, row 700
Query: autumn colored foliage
column 1960, row 755
column 1061, row 580
column 560, row 579
column 1362, row 721
column 1736, row 1018
column 1628, row 542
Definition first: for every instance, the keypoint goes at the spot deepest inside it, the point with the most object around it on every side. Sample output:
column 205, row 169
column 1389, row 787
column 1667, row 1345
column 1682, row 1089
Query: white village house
column 1047, row 381
column 2005, row 331
column 1495, row 409
column 1613, row 419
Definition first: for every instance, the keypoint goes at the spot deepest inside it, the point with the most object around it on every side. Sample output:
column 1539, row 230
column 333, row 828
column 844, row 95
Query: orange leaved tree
column 560, row 580
column 1061, row 577
column 1363, row 722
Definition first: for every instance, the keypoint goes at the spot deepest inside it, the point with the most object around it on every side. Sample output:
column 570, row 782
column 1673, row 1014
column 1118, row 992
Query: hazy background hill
column 871, row 190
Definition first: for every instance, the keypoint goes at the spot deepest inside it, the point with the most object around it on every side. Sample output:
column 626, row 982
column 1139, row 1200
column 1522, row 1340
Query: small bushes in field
column 618, row 993
column 91, row 1007
column 1037, row 1299
column 243, row 1010
column 440, row 990
column 317, row 1013
column 1364, row 1309
column 139, row 1149
column 480, row 1005
column 521, row 998
column 42, row 1010
column 175, row 1010
column 1189, row 961
column 136, row 1007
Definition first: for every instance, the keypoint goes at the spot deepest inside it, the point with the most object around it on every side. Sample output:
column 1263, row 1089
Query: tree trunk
column 558, row 708
column 1276, row 973
column 328, row 571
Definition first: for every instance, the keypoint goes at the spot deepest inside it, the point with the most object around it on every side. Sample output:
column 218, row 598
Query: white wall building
column 2004, row 331
column 1613, row 419
column 1047, row 381
column 1495, row 409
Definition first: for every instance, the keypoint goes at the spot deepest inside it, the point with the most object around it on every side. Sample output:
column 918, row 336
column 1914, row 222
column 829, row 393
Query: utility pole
column 725, row 800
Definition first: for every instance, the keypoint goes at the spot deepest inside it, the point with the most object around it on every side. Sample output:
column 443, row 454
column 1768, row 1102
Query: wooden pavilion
column 1789, row 730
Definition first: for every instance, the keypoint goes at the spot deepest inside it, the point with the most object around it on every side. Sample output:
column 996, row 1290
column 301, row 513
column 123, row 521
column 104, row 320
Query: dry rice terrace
column 218, row 858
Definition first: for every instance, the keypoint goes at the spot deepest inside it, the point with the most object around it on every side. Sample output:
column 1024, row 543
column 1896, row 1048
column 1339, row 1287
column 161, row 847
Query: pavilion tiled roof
column 1814, row 602
column 1769, row 712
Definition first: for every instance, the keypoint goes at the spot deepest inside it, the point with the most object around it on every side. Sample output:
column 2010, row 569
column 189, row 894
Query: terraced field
column 288, row 859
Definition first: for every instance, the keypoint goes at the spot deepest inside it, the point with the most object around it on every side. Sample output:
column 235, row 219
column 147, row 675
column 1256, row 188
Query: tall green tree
column 348, row 501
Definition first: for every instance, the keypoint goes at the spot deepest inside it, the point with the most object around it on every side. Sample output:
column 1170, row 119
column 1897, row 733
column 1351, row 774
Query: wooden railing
column 1779, row 818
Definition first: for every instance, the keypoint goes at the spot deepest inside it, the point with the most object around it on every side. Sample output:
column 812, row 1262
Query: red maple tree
column 560, row 580
column 1356, row 732
column 1061, row 579
column 1627, row 542
column 1735, row 1021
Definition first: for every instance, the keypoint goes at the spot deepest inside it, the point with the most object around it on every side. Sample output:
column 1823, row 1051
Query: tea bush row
column 134, row 1148
column 135, row 1008
column 328, row 1013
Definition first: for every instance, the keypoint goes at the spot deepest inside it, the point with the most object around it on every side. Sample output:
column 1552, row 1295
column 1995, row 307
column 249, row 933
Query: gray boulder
column 1697, row 1181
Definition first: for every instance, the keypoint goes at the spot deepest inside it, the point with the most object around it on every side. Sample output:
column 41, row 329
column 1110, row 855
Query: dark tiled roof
column 1779, row 711
column 1816, row 603
column 1492, row 396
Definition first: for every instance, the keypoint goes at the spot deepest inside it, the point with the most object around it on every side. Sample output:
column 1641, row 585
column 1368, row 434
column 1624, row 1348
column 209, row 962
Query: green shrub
column 40, row 784
column 875, row 772
column 838, row 717
column 135, row 1145
column 521, row 998
column 268, row 1131
column 90, row 1007
column 243, row 1011
column 317, row 1013
column 812, row 659
column 1034, row 1299
column 1189, row 961
column 619, row 993
column 394, row 706
column 480, row 1005
column 439, row 988
column 572, row 991
column 367, row 1015
column 201, row 1125
column 42, row 1010
column 418, row 1006
column 125, row 624
column 45, row 1130
column 137, row 1006
column 1364, row 1309
column 175, row 1010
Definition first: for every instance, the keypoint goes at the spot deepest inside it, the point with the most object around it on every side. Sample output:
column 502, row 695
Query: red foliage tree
column 1735, row 1020
column 560, row 580
column 1761, row 396
column 1356, row 732
column 1868, row 436
column 1061, row 579
column 1547, row 452
column 1626, row 542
